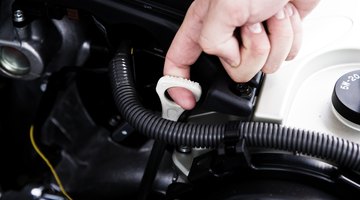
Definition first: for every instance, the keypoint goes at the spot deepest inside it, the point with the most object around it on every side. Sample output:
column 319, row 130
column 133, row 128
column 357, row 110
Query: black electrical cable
column 256, row 134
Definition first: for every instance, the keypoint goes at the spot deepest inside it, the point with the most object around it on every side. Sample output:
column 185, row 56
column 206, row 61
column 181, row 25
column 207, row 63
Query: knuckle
column 270, row 69
column 230, row 6
column 241, row 78
column 244, row 78
column 259, row 50
column 238, row 15
column 208, row 46
column 235, row 10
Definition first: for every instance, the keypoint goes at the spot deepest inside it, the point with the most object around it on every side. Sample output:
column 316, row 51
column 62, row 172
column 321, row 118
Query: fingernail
column 255, row 28
column 280, row 14
column 289, row 10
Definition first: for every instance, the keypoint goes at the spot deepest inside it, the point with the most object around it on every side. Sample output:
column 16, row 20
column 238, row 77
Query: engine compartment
column 58, row 82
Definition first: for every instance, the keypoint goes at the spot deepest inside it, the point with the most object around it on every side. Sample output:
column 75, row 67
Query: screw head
column 19, row 16
column 184, row 149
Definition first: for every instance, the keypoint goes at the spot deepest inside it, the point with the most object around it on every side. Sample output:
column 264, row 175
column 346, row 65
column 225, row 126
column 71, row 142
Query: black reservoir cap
column 346, row 96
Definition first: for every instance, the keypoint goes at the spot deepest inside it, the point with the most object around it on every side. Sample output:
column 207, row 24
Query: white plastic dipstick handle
column 171, row 110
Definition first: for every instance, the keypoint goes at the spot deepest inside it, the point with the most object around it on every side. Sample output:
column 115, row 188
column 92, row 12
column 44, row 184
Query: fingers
column 304, row 7
column 282, row 43
column 254, row 52
column 207, row 28
column 296, row 24
column 281, row 38
column 217, row 34
column 267, row 51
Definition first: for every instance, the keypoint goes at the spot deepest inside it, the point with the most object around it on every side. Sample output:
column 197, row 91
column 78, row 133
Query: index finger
column 183, row 52
column 184, row 49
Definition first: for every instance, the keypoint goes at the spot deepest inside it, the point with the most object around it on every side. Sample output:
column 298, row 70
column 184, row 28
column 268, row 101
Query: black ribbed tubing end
column 269, row 135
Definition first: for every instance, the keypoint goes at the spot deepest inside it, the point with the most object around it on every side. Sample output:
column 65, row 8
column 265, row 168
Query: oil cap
column 346, row 98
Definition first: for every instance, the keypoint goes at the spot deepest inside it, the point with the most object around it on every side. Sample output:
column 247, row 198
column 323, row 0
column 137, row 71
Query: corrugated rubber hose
column 256, row 134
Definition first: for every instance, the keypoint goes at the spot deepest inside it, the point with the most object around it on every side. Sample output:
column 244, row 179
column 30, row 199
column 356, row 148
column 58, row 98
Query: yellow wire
column 57, row 179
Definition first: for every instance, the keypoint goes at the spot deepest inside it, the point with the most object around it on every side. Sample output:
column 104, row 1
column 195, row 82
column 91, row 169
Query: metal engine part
column 31, row 46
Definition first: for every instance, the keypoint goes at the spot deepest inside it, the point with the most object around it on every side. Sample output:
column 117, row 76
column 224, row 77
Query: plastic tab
column 171, row 110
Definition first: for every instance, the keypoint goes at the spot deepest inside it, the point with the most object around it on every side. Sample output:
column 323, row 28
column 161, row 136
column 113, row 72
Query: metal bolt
column 43, row 87
column 114, row 121
column 244, row 89
column 175, row 177
column 19, row 16
column 184, row 149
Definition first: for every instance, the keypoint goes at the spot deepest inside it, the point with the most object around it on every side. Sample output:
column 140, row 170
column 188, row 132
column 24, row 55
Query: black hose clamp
column 234, row 146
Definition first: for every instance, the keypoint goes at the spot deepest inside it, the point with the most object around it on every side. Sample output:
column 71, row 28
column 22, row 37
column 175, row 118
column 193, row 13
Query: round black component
column 346, row 96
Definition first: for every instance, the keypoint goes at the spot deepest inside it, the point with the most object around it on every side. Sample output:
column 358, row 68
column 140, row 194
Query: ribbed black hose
column 256, row 134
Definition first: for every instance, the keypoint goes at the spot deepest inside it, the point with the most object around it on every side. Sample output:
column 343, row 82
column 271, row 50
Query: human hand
column 209, row 26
